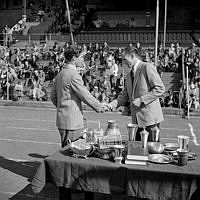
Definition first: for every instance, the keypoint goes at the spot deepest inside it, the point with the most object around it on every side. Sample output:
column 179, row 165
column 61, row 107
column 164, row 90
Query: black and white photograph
column 99, row 100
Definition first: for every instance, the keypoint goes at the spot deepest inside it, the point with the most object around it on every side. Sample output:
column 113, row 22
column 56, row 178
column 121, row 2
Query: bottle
column 144, row 138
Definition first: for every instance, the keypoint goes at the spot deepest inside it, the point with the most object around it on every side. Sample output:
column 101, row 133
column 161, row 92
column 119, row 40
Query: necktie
column 132, row 76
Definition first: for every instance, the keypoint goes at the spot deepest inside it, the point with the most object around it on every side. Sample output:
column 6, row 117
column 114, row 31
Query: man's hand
column 136, row 103
column 107, row 106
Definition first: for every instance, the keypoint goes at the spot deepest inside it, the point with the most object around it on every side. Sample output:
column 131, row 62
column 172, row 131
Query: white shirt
column 114, row 69
column 134, row 68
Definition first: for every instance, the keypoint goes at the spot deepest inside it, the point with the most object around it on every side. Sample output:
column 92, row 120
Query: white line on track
column 50, row 121
column 53, row 130
column 29, row 141
column 33, row 129
column 32, row 120
column 173, row 139
column 194, row 138
column 174, row 129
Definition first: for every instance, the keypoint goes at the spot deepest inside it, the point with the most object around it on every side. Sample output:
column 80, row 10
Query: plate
column 191, row 156
column 160, row 158
column 171, row 146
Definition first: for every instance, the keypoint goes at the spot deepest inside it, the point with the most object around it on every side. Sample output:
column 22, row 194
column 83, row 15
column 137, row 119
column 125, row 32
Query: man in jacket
column 67, row 94
column 142, row 90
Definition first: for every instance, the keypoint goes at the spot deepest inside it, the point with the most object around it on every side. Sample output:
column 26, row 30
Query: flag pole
column 165, row 25
column 156, row 34
column 7, row 86
column 187, row 93
column 69, row 21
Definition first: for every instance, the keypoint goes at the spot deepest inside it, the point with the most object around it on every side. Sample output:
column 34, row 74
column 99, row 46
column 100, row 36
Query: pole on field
column 187, row 94
column 156, row 34
column 25, row 8
column 69, row 21
column 7, row 86
column 183, row 80
column 165, row 25
column 123, row 76
column 183, row 68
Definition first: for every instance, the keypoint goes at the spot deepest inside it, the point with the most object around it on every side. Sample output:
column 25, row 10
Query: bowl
column 81, row 147
column 155, row 147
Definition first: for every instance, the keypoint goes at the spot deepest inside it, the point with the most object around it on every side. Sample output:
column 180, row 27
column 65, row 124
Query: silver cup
column 118, row 153
column 144, row 138
column 132, row 129
column 183, row 142
column 155, row 134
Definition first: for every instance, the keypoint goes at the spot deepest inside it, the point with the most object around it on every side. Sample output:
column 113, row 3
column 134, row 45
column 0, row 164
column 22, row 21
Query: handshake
column 106, row 107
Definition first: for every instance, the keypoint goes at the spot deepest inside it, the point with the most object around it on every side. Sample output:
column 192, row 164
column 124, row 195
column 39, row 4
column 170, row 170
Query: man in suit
column 67, row 94
column 142, row 90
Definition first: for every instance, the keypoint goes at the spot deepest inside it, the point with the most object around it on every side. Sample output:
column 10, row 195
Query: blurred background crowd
column 29, row 73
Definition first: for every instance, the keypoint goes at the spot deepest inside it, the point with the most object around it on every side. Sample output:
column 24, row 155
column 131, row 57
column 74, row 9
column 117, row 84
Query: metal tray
column 171, row 146
column 160, row 158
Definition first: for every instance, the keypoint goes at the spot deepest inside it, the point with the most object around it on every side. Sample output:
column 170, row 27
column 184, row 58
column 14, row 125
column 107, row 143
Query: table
column 154, row 181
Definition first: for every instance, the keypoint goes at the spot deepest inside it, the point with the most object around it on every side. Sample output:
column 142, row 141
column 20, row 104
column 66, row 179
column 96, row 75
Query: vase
column 112, row 128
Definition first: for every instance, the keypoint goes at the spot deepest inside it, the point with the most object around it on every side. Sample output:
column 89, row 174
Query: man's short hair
column 131, row 51
column 69, row 54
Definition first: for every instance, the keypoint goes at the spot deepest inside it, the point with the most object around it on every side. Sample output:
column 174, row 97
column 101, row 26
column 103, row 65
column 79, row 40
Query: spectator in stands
column 139, row 48
column 118, row 56
column 105, row 47
column 119, row 84
column 98, row 23
column 194, row 95
column 7, row 78
column 113, row 67
column 19, row 90
column 132, row 22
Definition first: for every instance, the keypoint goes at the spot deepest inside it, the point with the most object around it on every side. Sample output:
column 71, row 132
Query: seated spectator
column 193, row 92
column 8, row 77
column 139, row 48
column 132, row 22
column 118, row 56
column 96, row 92
column 113, row 70
column 98, row 23
column 104, row 84
column 119, row 84
column 37, row 92
column 19, row 90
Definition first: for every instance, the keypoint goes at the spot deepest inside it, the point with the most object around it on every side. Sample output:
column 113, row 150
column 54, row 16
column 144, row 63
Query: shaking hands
column 107, row 107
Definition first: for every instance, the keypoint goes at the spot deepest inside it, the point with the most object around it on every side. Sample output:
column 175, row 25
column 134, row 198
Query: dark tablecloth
column 154, row 181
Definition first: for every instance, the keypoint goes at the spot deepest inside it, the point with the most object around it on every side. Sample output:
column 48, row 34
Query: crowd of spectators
column 32, row 70
column 78, row 11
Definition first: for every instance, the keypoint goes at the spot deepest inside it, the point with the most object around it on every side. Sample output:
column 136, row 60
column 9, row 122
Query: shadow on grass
column 27, row 170
column 49, row 192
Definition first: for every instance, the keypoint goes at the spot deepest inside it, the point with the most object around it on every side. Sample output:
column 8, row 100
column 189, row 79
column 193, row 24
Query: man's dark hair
column 131, row 51
column 69, row 54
